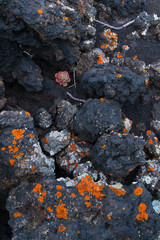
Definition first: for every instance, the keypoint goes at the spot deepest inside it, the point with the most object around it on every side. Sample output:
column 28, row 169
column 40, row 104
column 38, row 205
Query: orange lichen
column 45, row 140
column 134, row 57
column 117, row 191
column 61, row 229
column 87, row 198
column 156, row 140
column 100, row 59
column 73, row 195
column 14, row 142
column 102, row 99
column 3, row 148
column 87, row 153
column 150, row 141
column 118, row 55
column 65, row 18
column 49, row 209
column 147, row 81
column 58, row 194
column 41, row 198
column 148, row 132
column 75, row 137
column 131, row 169
column 142, row 216
column 104, row 146
column 150, row 169
column 37, row 188
column 87, row 185
column 138, row 191
column 72, row 147
column 88, row 204
column 40, row 11
column 61, row 211
column 17, row 155
column 118, row 75
column 142, row 207
column 76, row 165
column 18, row 133
column 12, row 161
column 27, row 113
column 33, row 168
column 17, row 214
column 31, row 135
column 58, row 187
column 108, row 216
column 15, row 149
column 123, row 208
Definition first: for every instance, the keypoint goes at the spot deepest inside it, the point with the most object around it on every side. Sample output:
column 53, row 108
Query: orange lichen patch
column 3, row 148
column 118, row 75
column 37, row 188
column 49, row 209
column 135, row 57
column 117, row 191
column 123, row 208
column 61, row 229
column 33, row 168
column 76, row 165
column 108, row 216
column 104, row 146
column 87, row 185
column 61, row 211
column 73, row 195
column 88, row 204
column 156, row 140
column 82, row 154
column 18, row 133
column 131, row 169
column 143, row 70
column 142, row 216
column 15, row 149
column 142, row 207
column 41, row 198
column 65, row 18
column 58, row 194
column 87, row 198
column 148, row 132
column 45, row 140
column 110, row 174
column 75, row 137
column 35, row 152
column 58, row 187
column 31, row 135
column 40, row 11
column 138, row 191
column 12, row 161
column 100, row 58
column 122, row 1
column 118, row 55
column 147, row 81
column 14, row 142
column 17, row 214
column 17, row 155
column 102, row 99
column 150, row 141
column 20, row 164
column 150, row 169
column 72, row 147
column 27, row 113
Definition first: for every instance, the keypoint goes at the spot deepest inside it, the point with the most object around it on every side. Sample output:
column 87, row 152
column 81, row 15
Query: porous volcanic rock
column 68, row 209
column 117, row 154
column 97, row 116
column 110, row 82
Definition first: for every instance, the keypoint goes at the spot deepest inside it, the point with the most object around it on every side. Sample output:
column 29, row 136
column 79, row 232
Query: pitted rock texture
column 97, row 116
column 117, row 154
column 68, row 209
column 110, row 82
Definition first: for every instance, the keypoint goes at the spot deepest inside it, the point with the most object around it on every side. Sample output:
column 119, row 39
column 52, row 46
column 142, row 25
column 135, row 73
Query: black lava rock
column 120, row 84
column 117, row 154
column 97, row 116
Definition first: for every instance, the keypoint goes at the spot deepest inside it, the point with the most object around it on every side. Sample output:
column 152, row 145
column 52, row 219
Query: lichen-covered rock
column 117, row 154
column 55, row 141
column 29, row 75
column 155, row 126
column 108, row 81
column 43, row 118
column 65, row 113
column 70, row 158
column 72, row 209
column 97, row 116
column 152, row 144
column 21, row 154
column 87, row 168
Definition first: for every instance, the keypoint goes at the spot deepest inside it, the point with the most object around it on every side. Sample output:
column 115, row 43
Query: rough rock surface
column 69, row 209
column 113, row 83
column 117, row 154
column 43, row 119
column 97, row 116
